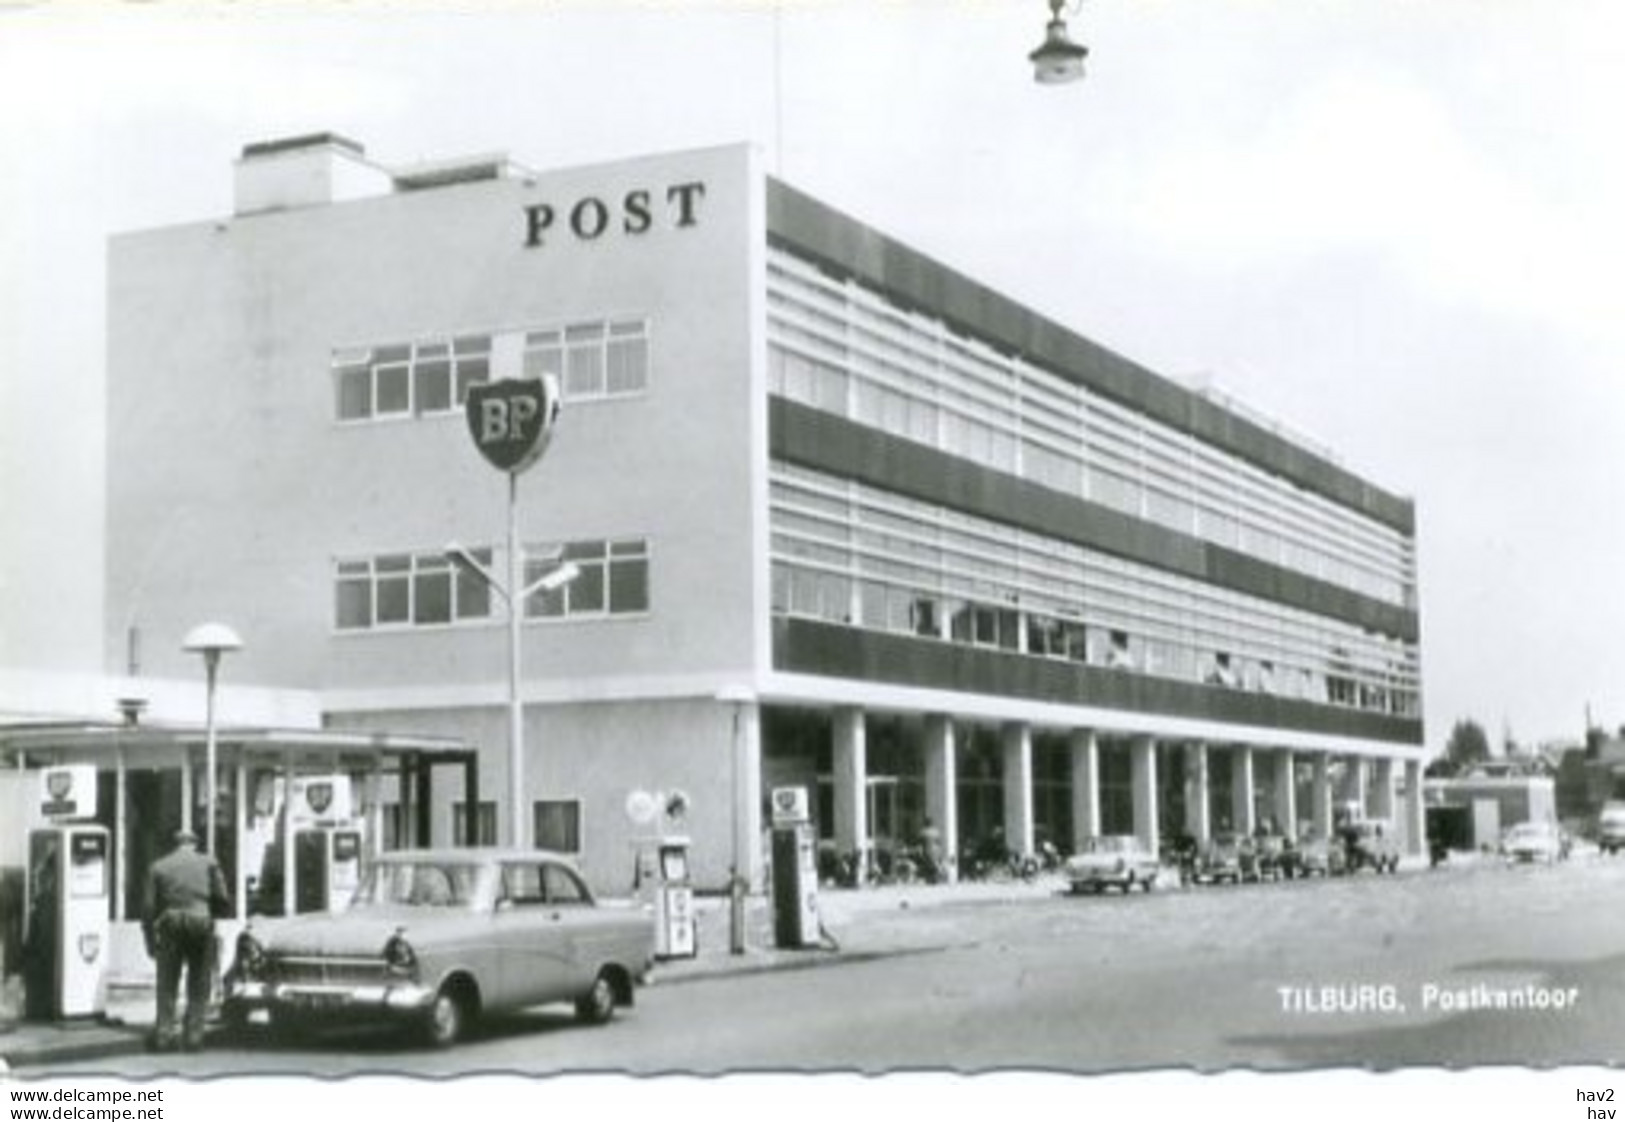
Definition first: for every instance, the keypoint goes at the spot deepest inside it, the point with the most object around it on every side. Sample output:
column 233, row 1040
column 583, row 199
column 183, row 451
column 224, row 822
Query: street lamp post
column 1057, row 59
column 512, row 422
column 211, row 640
column 515, row 595
column 738, row 697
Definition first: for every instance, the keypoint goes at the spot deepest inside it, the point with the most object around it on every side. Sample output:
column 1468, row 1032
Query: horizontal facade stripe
column 787, row 690
column 848, row 248
column 814, row 439
column 813, row 647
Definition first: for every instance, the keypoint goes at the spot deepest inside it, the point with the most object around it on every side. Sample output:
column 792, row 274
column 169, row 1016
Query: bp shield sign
column 512, row 420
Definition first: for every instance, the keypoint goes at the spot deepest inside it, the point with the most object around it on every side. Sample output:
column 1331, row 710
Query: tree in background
column 1468, row 746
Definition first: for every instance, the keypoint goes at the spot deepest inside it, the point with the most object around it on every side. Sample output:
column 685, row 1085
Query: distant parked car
column 1272, row 857
column 1611, row 828
column 1535, row 842
column 1223, row 858
column 1317, row 857
column 1120, row 860
column 1369, row 843
column 436, row 938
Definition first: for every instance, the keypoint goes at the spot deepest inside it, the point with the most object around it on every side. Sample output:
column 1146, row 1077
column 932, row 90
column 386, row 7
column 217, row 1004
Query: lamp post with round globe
column 211, row 640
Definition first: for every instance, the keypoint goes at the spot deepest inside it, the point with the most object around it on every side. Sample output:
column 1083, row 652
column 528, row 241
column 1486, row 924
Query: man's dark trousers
column 185, row 944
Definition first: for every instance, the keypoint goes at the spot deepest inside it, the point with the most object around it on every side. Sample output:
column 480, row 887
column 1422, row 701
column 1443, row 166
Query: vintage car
column 1224, row 858
column 1531, row 842
column 1370, row 843
column 1611, row 827
column 1273, row 857
column 1311, row 856
column 436, row 938
column 1114, row 859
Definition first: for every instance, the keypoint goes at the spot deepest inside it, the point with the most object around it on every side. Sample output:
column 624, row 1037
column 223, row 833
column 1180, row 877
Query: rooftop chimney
column 310, row 170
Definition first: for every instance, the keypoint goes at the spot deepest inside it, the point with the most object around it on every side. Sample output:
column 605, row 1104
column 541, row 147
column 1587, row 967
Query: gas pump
column 326, row 866
column 67, row 888
column 795, row 870
column 327, row 869
column 674, row 901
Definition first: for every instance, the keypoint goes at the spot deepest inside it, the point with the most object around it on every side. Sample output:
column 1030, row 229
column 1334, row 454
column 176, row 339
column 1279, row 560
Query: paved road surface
column 1180, row 978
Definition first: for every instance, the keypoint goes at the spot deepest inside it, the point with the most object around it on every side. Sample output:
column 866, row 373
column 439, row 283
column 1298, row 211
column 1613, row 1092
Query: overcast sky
column 1395, row 227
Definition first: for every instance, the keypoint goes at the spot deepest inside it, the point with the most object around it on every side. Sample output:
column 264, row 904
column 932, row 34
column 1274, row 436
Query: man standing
column 185, row 892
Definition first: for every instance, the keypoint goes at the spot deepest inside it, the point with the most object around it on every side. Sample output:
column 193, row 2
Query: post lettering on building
column 636, row 212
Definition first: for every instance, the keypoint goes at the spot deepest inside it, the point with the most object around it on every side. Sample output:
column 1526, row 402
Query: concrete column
column 1322, row 796
column 1085, row 749
column 186, row 793
column 1382, row 793
column 373, row 786
column 1198, row 816
column 1017, row 742
column 1144, row 755
column 1241, row 789
column 239, row 819
column 1286, row 794
column 941, row 789
column 286, row 831
column 747, row 819
column 851, row 785
column 1354, row 783
column 1415, row 815
column 405, row 788
column 121, row 836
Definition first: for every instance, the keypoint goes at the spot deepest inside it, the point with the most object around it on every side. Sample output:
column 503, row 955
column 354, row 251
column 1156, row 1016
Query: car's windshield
column 423, row 884
column 1110, row 844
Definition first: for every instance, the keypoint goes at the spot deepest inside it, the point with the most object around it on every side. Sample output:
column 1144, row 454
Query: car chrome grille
column 322, row 971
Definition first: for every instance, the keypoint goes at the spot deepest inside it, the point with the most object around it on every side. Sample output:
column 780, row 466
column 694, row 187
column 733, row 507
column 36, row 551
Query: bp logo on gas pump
column 789, row 805
column 68, row 792
column 90, row 946
column 319, row 796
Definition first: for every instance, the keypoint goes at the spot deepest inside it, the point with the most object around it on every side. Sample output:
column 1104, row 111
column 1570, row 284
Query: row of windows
column 843, row 349
column 409, row 379
column 822, row 595
column 426, row 589
column 845, row 527
column 556, row 824
column 593, row 359
column 852, row 554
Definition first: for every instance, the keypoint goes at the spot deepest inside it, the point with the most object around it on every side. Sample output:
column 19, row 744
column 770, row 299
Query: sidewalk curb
column 813, row 959
column 25, row 1048
column 107, row 1041
column 110, row 1041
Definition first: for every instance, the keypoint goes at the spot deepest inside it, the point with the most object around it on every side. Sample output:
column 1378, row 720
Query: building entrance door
column 883, row 821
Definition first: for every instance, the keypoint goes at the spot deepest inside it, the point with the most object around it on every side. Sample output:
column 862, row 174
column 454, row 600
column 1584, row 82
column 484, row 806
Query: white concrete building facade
column 846, row 519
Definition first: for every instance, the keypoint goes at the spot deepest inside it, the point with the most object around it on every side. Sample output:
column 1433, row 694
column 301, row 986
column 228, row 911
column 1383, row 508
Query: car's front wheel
column 597, row 1005
column 234, row 1021
column 447, row 1018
